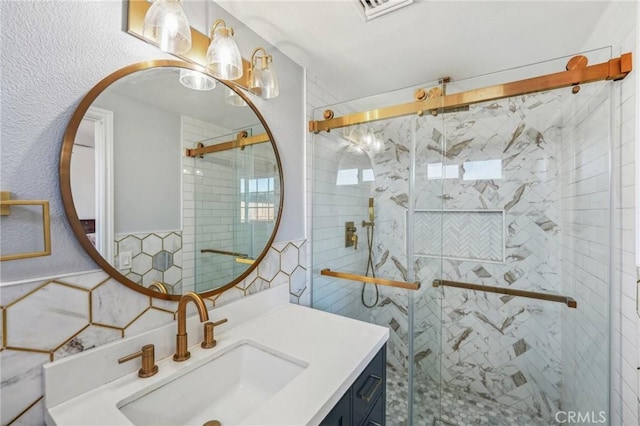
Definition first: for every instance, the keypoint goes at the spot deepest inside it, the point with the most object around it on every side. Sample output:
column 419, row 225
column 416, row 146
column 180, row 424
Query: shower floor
column 457, row 409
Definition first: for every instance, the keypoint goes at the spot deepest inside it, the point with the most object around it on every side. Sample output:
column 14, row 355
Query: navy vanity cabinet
column 364, row 403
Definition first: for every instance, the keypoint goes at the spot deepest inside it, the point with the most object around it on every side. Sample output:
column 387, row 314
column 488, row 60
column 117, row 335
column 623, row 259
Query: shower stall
column 501, row 211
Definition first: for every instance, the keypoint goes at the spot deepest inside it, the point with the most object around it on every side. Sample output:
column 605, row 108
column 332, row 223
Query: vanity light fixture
column 196, row 80
column 262, row 77
column 232, row 98
column 223, row 56
column 166, row 25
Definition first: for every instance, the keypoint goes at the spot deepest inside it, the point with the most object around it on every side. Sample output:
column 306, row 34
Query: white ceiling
column 419, row 43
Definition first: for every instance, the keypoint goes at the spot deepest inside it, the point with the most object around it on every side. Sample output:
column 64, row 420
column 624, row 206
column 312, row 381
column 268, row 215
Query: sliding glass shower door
column 362, row 215
column 501, row 211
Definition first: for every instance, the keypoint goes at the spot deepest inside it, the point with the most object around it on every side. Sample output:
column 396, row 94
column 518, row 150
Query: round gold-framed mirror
column 168, row 185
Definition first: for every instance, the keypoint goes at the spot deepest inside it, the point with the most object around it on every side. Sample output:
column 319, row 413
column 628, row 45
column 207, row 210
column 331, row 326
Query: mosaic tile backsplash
column 50, row 319
column 153, row 256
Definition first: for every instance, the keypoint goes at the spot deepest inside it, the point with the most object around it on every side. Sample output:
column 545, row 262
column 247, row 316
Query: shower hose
column 370, row 268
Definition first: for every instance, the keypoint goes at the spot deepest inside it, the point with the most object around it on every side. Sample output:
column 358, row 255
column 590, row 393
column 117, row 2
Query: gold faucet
column 182, row 354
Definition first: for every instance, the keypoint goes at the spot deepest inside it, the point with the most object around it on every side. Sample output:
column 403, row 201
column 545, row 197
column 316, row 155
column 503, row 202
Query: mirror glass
column 168, row 187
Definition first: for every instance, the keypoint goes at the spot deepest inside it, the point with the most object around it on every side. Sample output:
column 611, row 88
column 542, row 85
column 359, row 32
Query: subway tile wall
column 618, row 28
column 194, row 188
column 585, row 228
column 50, row 318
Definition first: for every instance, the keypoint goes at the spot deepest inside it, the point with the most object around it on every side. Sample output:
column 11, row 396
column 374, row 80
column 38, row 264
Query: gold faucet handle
column 209, row 342
column 149, row 367
column 354, row 238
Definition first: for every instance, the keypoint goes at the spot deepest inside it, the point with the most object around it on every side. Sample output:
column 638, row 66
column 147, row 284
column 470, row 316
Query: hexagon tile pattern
column 154, row 257
column 50, row 319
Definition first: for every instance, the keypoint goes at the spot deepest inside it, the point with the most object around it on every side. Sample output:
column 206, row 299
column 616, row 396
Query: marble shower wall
column 501, row 348
column 48, row 319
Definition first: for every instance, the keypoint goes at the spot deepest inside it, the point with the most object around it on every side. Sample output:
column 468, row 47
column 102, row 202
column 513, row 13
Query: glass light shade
column 166, row 25
column 232, row 98
column 196, row 80
column 264, row 82
column 223, row 56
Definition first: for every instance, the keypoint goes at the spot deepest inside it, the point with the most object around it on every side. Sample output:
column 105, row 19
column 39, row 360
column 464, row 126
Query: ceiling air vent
column 374, row 8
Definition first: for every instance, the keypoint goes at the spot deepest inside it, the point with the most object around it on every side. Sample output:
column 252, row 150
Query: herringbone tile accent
column 464, row 234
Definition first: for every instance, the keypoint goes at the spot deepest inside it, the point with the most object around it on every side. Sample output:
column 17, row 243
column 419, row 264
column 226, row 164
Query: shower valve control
column 350, row 236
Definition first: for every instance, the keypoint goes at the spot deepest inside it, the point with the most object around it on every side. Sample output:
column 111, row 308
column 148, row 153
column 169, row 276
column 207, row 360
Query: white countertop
column 336, row 349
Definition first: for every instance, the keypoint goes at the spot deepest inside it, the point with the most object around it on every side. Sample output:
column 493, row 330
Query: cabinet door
column 368, row 387
column 377, row 413
column 341, row 413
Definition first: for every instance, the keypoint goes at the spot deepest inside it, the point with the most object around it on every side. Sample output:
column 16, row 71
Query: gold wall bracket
column 137, row 9
column 241, row 141
column 577, row 73
column 5, row 203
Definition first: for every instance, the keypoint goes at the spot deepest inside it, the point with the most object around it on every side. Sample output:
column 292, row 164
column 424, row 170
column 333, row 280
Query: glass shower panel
column 525, row 206
column 217, row 208
column 425, row 218
column 362, row 180
column 585, row 179
column 235, row 206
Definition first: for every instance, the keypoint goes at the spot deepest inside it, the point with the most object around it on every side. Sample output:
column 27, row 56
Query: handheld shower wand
column 371, row 215
column 370, row 267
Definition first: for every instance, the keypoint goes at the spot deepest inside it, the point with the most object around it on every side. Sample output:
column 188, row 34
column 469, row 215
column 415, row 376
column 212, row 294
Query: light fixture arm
column 264, row 57
column 223, row 28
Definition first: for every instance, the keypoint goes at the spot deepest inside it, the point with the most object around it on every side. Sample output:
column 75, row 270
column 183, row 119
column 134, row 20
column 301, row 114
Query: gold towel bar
column 5, row 203
column 569, row 301
column 228, row 253
column 371, row 280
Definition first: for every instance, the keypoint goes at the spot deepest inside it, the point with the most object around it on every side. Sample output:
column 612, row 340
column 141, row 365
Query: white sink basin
column 227, row 388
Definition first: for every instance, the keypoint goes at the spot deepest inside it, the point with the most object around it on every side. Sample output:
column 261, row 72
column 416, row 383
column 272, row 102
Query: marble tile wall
column 154, row 257
column 47, row 319
column 502, row 348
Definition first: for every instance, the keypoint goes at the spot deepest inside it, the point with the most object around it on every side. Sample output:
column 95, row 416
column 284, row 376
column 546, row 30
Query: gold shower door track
column 577, row 73
column 241, row 141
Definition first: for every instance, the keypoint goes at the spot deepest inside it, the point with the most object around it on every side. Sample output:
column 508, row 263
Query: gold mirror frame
column 65, row 176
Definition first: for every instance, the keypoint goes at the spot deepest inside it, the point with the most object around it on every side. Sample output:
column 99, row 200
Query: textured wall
column 53, row 53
